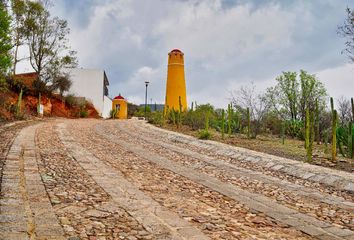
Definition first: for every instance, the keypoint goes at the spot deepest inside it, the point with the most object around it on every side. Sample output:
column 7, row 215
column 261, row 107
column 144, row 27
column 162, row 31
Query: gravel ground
column 216, row 215
column 323, row 211
column 80, row 204
column 126, row 180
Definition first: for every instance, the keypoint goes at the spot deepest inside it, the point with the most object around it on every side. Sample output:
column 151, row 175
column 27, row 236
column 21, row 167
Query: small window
column 118, row 107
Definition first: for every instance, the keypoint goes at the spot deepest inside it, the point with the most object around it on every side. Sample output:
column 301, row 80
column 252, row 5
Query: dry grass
column 293, row 148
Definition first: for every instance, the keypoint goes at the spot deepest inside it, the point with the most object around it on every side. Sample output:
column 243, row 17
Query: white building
column 93, row 85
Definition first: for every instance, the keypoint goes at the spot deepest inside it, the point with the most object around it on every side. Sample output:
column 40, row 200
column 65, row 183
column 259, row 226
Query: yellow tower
column 176, row 84
column 121, row 105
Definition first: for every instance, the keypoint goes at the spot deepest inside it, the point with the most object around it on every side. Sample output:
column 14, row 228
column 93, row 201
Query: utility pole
column 146, row 92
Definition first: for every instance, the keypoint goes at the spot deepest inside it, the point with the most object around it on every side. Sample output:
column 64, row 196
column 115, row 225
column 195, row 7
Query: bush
column 204, row 134
column 83, row 113
column 140, row 112
column 16, row 85
column 71, row 100
column 156, row 118
column 295, row 129
column 3, row 84
column 196, row 119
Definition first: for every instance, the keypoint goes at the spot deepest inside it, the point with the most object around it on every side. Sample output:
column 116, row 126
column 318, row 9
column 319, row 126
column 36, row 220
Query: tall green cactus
column 332, row 105
column 312, row 136
column 350, row 140
column 248, row 123
column 283, row 132
column 334, row 135
column 173, row 116
column 352, row 109
column 229, row 119
column 223, row 124
column 317, row 123
column 179, row 114
column 307, row 129
column 19, row 104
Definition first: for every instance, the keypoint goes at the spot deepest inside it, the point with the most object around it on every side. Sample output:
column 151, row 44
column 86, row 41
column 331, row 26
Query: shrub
column 294, row 128
column 71, row 100
column 204, row 134
column 83, row 113
column 16, row 85
column 140, row 112
column 196, row 119
column 3, row 84
column 156, row 118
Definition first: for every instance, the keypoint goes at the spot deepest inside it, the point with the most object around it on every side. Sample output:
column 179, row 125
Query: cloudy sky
column 227, row 43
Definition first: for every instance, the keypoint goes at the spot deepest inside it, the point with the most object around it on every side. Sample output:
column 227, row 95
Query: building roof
column 176, row 50
column 26, row 78
column 119, row 97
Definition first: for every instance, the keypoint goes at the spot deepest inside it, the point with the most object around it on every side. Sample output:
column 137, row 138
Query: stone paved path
column 94, row 179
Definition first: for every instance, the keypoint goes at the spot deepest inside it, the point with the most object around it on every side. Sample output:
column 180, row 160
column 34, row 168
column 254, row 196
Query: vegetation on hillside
column 29, row 24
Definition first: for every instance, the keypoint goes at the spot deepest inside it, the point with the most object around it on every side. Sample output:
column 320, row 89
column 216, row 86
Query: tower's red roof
column 119, row 97
column 176, row 50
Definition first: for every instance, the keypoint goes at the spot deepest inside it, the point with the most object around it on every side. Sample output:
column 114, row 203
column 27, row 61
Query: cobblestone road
column 94, row 179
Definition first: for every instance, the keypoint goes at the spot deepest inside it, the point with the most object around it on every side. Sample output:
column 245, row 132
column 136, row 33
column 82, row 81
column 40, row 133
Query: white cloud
column 225, row 46
column 339, row 81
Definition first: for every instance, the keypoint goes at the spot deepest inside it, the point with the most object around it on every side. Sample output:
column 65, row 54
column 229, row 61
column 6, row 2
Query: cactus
column 352, row 109
column 350, row 140
column 179, row 114
column 317, row 123
column 283, row 133
column 229, row 118
column 223, row 124
column 332, row 105
column 19, row 104
column 312, row 136
column 173, row 116
column 192, row 107
column 307, row 129
column 248, row 123
column 334, row 135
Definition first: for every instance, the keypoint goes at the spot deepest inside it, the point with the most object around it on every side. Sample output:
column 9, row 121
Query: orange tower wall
column 176, row 84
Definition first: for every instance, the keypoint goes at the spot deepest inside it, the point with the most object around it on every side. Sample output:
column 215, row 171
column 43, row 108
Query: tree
column 311, row 90
column 283, row 97
column 18, row 8
column 344, row 110
column 293, row 93
column 48, row 44
column 5, row 39
column 5, row 44
column 347, row 31
column 61, row 83
column 248, row 98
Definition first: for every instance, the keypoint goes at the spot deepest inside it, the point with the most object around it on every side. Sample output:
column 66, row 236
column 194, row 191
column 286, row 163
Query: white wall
column 107, row 107
column 88, row 83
